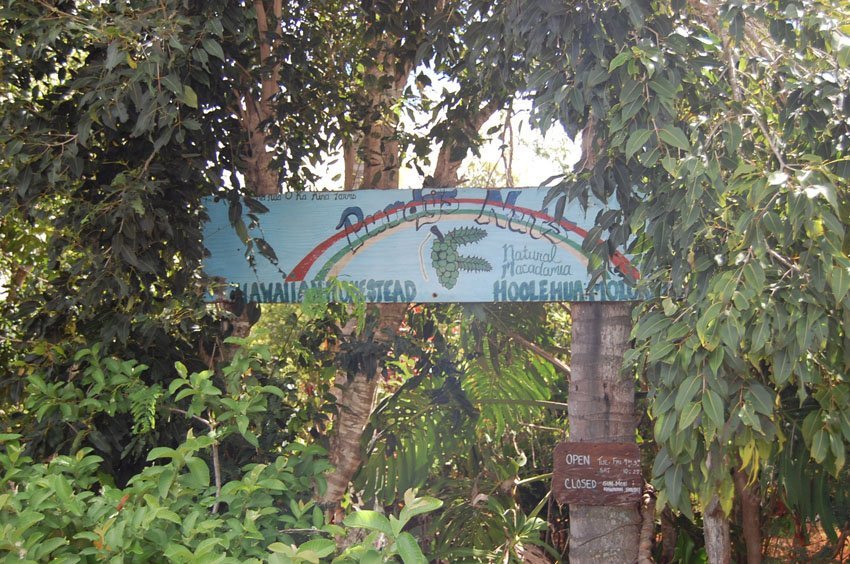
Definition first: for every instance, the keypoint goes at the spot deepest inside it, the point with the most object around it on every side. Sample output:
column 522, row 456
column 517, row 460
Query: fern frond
column 143, row 403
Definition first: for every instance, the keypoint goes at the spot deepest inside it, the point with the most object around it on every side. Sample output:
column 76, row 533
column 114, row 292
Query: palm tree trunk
column 601, row 400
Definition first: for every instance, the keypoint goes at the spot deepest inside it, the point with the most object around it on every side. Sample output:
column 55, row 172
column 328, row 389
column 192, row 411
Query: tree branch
column 448, row 163
column 541, row 352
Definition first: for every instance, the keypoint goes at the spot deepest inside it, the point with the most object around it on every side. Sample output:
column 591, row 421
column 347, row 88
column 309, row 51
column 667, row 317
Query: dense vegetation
column 139, row 421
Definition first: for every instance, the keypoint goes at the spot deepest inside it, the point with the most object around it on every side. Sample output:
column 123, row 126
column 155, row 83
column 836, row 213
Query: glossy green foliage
column 62, row 511
column 177, row 506
column 398, row 542
column 182, row 505
column 722, row 131
column 116, row 119
column 455, row 421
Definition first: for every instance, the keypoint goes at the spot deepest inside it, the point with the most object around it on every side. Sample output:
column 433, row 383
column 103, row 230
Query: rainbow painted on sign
column 428, row 245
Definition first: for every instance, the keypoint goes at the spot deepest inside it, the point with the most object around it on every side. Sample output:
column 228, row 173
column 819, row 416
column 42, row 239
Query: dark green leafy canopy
column 722, row 131
column 116, row 118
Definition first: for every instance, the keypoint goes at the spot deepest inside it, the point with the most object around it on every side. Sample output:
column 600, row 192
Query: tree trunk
column 256, row 111
column 601, row 401
column 372, row 160
column 715, row 526
column 750, row 515
column 669, row 535
column 355, row 396
column 376, row 166
column 647, row 528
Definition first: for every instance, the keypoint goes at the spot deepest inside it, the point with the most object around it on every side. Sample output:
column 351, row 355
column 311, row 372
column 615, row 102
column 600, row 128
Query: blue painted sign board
column 428, row 245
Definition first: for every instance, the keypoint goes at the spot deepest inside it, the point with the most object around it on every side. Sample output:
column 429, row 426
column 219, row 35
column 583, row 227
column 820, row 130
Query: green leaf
column 838, row 451
column 660, row 350
column 371, row 556
column 164, row 482
column 190, row 98
column 322, row 547
column 820, row 446
column 689, row 414
column 172, row 82
column 161, row 452
column 212, row 47
column 251, row 438
column 673, row 484
column 839, row 281
column 761, row 333
column 687, row 391
column 783, row 367
column 619, row 60
column 712, row 404
column 417, row 506
column 664, row 88
column 114, row 55
column 709, row 317
column 396, row 525
column 409, row 550
column 199, row 471
column 637, row 139
column 674, row 136
column 178, row 553
column 45, row 547
column 367, row 519
column 761, row 398
column 646, row 328
column 661, row 464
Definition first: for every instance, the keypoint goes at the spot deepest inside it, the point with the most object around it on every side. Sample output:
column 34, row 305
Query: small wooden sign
column 597, row 474
column 429, row 245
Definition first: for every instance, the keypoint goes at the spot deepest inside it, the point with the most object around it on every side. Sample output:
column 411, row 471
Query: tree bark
column 669, row 535
column 750, row 515
column 452, row 153
column 715, row 527
column 355, row 396
column 601, row 409
column 256, row 111
column 647, row 528
column 372, row 160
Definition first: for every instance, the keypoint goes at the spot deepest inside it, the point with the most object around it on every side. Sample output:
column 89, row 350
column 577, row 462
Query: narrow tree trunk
column 750, row 516
column 601, row 409
column 715, row 526
column 647, row 528
column 373, row 161
column 256, row 111
column 669, row 535
column 355, row 396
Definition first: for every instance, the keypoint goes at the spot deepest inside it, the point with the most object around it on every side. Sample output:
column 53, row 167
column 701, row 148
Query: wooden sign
column 597, row 474
column 428, row 245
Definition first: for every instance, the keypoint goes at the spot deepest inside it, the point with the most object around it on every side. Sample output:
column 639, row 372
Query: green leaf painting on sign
column 446, row 260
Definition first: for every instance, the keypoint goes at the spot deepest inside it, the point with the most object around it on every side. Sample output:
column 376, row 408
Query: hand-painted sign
column 597, row 474
column 428, row 245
